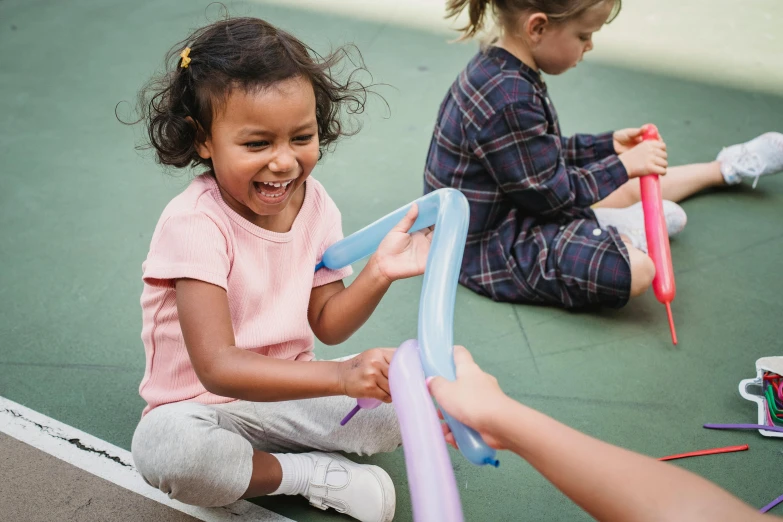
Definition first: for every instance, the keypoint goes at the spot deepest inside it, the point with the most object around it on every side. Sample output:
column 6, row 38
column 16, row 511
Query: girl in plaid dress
column 556, row 220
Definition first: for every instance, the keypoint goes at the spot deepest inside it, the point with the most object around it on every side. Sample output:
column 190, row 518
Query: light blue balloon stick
column 448, row 210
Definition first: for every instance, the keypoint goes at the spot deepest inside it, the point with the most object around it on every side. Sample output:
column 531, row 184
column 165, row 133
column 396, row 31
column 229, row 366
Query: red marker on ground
column 715, row 451
column 657, row 236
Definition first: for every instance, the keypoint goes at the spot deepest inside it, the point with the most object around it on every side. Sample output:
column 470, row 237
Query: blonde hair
column 558, row 11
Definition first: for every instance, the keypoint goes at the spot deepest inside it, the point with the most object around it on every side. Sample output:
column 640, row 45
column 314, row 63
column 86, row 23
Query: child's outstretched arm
column 229, row 371
column 580, row 150
column 610, row 483
column 336, row 312
column 526, row 159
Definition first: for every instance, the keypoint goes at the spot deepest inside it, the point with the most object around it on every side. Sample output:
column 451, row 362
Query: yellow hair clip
column 185, row 58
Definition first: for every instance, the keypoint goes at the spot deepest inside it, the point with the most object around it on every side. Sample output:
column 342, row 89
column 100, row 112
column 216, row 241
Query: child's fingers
column 635, row 133
column 462, row 357
column 388, row 355
column 448, row 435
column 661, row 151
column 435, row 386
column 383, row 395
column 426, row 233
column 383, row 383
column 661, row 160
column 407, row 222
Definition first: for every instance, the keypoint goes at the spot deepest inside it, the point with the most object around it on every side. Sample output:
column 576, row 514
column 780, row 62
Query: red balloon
column 657, row 236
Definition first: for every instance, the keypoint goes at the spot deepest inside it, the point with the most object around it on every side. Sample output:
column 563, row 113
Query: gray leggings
column 202, row 454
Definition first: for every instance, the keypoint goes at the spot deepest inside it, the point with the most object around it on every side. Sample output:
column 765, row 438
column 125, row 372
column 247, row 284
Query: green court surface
column 78, row 207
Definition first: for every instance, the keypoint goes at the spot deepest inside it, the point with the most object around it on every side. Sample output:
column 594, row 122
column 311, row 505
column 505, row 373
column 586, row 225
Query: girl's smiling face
column 263, row 145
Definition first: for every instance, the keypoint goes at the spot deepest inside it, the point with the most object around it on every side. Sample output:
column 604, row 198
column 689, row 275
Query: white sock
column 297, row 471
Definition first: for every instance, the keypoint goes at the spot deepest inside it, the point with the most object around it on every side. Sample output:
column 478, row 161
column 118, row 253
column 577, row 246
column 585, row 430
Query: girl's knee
column 157, row 442
column 158, row 438
column 642, row 271
column 174, row 452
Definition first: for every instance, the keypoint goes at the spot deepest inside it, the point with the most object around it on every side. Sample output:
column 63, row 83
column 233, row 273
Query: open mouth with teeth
column 272, row 191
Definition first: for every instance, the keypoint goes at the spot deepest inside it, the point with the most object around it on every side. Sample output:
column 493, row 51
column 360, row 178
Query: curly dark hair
column 248, row 54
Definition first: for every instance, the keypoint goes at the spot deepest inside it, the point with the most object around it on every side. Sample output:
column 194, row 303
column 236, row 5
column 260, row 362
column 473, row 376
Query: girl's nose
column 283, row 161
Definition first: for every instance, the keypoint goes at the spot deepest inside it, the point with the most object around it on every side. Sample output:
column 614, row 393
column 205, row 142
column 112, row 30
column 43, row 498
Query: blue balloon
column 448, row 210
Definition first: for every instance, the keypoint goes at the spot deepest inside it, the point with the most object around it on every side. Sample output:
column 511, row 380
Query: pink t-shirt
column 267, row 275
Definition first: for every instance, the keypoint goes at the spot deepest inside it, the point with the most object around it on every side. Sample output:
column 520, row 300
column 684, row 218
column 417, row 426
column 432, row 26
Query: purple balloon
column 431, row 479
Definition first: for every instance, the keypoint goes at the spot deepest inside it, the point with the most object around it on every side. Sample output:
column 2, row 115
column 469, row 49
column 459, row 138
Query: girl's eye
column 584, row 38
column 256, row 144
column 304, row 139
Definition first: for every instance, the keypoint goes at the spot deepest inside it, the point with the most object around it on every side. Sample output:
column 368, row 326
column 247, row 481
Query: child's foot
column 758, row 157
column 362, row 491
column 629, row 221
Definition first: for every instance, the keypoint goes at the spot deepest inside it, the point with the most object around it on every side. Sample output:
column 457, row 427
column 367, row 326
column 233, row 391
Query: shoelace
column 750, row 163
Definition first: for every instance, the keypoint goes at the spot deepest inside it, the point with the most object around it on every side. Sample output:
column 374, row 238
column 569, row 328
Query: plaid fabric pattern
column 532, row 236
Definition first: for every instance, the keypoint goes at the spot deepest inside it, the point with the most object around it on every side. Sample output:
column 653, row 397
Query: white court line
column 109, row 462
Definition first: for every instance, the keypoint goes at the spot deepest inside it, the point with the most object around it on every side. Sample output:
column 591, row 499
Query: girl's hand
column 366, row 376
column 475, row 398
column 626, row 139
column 648, row 157
column 400, row 254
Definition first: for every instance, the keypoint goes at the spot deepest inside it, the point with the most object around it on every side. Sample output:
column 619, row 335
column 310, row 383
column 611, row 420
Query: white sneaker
column 758, row 157
column 362, row 491
column 629, row 221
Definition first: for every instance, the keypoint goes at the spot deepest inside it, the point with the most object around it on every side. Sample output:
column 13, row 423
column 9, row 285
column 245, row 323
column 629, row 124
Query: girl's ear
column 536, row 26
column 203, row 143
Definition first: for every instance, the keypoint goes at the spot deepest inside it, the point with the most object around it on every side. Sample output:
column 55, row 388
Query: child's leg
column 314, row 424
column 363, row 491
column 642, row 269
column 679, row 183
column 214, row 455
column 575, row 265
column 760, row 156
column 198, row 454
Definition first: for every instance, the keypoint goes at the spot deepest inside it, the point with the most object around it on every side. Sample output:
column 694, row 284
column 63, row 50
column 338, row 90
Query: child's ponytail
column 477, row 11
column 558, row 11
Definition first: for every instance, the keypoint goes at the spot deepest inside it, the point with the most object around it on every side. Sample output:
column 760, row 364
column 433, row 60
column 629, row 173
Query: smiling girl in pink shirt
column 235, row 403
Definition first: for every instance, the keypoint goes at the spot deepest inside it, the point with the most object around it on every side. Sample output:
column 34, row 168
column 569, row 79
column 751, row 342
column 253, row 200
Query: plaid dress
column 532, row 236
